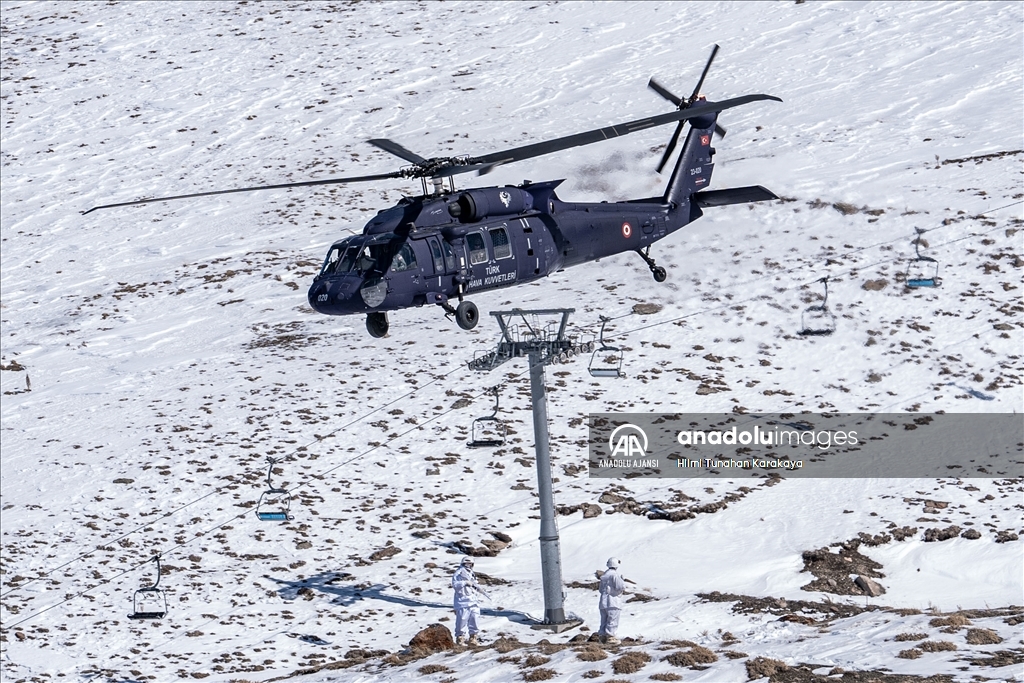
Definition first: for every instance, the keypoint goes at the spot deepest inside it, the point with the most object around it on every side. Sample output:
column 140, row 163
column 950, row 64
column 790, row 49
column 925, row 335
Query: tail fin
column 693, row 169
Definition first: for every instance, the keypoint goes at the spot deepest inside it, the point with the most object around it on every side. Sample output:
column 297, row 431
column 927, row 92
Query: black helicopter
column 447, row 244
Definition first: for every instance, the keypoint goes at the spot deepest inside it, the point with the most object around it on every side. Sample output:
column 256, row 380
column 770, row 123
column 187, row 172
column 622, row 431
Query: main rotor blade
column 671, row 147
column 696, row 90
column 592, row 136
column 397, row 150
column 308, row 183
column 664, row 92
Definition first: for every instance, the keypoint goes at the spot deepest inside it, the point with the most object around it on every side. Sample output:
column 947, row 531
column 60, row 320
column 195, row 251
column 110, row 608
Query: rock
column 870, row 587
column 504, row 538
column 875, row 285
column 1005, row 536
column 797, row 619
column 646, row 309
column 610, row 498
column 384, row 553
column 496, row 546
column 971, row 535
column 434, row 638
column 591, row 510
column 467, row 548
column 931, row 535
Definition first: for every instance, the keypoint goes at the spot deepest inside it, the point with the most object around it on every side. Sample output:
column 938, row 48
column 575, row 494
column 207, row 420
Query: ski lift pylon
column 274, row 504
column 150, row 602
column 922, row 271
column 488, row 431
column 818, row 321
column 606, row 360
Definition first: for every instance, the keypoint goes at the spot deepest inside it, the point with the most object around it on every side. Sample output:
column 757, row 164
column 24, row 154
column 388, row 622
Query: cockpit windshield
column 340, row 259
column 360, row 254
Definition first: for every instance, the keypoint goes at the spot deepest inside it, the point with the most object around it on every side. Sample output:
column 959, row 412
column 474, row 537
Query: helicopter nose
column 326, row 296
column 317, row 296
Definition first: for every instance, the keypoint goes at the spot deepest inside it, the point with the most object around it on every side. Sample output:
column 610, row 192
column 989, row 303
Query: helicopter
column 446, row 244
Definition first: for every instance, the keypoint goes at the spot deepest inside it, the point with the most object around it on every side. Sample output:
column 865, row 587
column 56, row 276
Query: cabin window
column 477, row 250
column 435, row 253
column 499, row 240
column 405, row 259
column 449, row 256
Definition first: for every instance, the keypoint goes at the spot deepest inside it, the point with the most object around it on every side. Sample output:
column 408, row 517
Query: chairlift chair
column 606, row 360
column 488, row 431
column 922, row 271
column 150, row 602
column 818, row 321
column 274, row 504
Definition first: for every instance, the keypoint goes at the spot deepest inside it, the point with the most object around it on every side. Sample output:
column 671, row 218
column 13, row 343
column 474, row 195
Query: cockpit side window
column 377, row 254
column 404, row 260
column 477, row 249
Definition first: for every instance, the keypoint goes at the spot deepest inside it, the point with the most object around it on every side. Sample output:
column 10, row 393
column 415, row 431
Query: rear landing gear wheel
column 657, row 271
column 467, row 315
column 377, row 324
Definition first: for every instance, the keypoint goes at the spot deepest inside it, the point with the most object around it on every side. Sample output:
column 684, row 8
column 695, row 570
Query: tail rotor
column 683, row 104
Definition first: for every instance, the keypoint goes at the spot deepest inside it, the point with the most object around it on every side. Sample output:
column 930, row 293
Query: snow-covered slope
column 154, row 357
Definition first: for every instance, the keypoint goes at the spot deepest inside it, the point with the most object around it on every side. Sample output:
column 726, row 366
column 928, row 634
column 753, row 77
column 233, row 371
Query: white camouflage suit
column 466, row 608
column 610, row 604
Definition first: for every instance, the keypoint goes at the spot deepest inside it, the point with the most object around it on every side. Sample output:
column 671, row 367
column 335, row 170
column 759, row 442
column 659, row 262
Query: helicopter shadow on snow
column 338, row 584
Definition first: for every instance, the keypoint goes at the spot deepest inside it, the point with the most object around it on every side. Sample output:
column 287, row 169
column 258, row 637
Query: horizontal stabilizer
column 735, row 195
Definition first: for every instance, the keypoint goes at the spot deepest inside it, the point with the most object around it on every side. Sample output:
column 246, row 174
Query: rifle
column 600, row 573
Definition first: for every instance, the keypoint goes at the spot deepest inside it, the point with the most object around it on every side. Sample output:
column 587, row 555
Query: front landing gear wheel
column 659, row 274
column 467, row 315
column 377, row 324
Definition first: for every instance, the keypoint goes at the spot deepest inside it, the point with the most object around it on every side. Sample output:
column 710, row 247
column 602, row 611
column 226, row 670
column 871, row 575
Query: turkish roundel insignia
column 627, row 230
column 705, row 140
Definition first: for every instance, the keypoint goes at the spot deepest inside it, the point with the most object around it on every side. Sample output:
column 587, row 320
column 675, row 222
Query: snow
column 155, row 356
